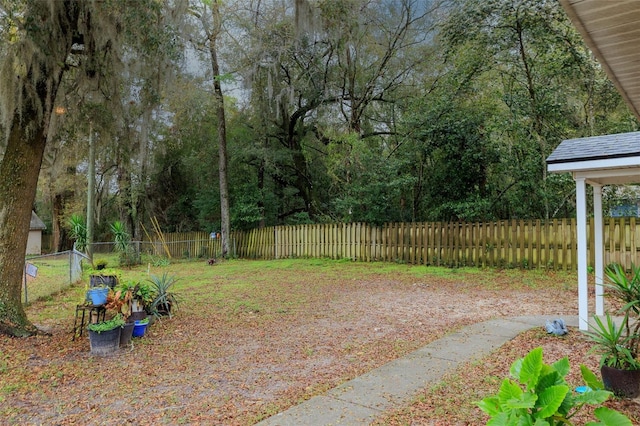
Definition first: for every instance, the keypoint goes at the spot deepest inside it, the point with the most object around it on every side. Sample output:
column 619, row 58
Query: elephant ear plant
column 541, row 396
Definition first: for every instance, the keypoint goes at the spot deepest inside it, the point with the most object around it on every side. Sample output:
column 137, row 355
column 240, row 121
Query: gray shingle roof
column 36, row 222
column 597, row 148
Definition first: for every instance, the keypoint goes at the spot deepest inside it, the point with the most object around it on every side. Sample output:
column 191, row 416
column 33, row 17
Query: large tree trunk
column 18, row 181
column 60, row 236
column 43, row 60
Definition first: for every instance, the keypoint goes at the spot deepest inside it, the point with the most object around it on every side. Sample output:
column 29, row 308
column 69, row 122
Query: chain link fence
column 51, row 273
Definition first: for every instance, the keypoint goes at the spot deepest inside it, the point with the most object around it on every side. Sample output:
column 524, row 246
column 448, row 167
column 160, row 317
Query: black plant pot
column 137, row 316
column 103, row 280
column 126, row 333
column 623, row 383
column 106, row 342
column 164, row 309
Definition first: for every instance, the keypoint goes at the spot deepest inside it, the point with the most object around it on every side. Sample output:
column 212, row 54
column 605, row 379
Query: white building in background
column 34, row 243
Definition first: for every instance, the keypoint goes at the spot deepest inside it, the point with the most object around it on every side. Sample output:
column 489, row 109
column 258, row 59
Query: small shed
column 34, row 242
column 596, row 161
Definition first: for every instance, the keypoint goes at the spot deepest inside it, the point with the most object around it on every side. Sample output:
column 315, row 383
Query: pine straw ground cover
column 252, row 338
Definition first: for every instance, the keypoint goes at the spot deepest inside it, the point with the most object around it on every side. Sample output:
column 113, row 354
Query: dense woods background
column 335, row 110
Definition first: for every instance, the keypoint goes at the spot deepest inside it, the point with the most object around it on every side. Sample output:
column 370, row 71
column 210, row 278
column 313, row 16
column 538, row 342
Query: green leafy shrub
column 78, row 231
column 140, row 291
column 121, row 237
column 541, row 396
column 100, row 327
column 165, row 299
column 615, row 345
column 122, row 244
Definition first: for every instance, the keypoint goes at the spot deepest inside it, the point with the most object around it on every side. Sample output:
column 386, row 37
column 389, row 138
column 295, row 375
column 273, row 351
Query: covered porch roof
column 604, row 160
column 611, row 29
column 596, row 161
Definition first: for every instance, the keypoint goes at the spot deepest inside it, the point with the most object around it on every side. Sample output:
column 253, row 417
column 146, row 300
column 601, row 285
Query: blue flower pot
column 98, row 296
column 139, row 329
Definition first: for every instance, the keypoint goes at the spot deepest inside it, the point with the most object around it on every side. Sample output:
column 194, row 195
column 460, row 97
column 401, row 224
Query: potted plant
column 104, row 337
column 140, row 327
column 619, row 345
column 104, row 277
column 165, row 300
column 100, row 264
column 97, row 295
column 143, row 296
column 121, row 301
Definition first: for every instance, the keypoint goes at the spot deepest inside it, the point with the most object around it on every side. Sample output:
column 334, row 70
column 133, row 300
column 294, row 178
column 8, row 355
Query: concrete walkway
column 361, row 400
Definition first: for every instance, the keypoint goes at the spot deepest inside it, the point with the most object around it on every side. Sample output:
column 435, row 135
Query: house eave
column 593, row 165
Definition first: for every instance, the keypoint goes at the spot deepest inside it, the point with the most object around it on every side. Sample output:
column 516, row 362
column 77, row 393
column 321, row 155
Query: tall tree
column 210, row 18
column 43, row 42
column 59, row 182
column 339, row 67
column 40, row 38
column 213, row 37
column 140, row 99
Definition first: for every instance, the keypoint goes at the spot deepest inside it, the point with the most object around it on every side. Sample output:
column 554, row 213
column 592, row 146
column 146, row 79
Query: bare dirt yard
column 252, row 338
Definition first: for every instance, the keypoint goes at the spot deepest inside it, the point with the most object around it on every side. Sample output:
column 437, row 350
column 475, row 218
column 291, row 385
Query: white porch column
column 583, row 294
column 598, row 242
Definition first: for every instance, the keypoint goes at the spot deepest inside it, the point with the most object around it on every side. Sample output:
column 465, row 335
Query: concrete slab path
column 361, row 400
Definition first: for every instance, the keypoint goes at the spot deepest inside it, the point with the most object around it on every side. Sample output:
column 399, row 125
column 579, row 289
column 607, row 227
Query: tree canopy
column 351, row 110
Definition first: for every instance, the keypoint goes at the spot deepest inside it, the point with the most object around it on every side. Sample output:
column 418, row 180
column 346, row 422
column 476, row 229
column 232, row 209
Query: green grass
column 258, row 276
column 248, row 285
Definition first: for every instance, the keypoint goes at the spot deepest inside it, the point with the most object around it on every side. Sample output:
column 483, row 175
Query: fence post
column 632, row 240
column 24, row 277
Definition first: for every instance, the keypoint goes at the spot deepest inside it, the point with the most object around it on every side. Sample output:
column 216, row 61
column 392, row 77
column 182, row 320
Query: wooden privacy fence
column 510, row 243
